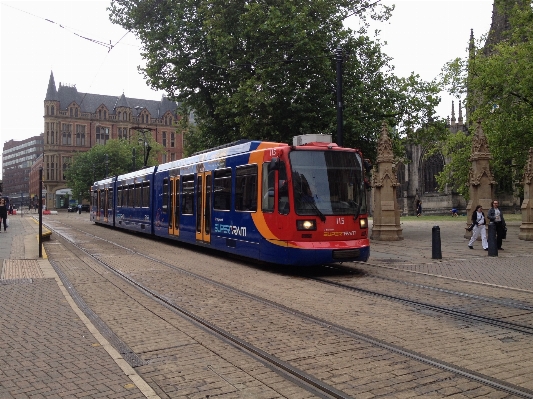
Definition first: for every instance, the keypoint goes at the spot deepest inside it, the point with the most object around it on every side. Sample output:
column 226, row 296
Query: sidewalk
column 49, row 349
column 512, row 268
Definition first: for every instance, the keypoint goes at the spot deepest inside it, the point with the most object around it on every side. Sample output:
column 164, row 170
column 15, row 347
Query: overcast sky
column 42, row 36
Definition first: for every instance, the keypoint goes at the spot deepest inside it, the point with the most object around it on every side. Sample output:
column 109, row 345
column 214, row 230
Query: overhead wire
column 109, row 45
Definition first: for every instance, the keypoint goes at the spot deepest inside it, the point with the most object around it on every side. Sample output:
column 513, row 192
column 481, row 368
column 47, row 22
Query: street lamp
column 144, row 141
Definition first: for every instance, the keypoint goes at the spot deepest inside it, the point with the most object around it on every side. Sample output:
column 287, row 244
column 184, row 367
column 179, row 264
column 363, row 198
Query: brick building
column 75, row 121
column 17, row 159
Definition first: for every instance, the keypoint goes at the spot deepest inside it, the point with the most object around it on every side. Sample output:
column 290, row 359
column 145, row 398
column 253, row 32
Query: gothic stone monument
column 386, row 222
column 526, row 228
column 481, row 179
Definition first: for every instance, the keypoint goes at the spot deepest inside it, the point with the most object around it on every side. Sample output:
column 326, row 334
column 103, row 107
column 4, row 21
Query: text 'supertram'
column 303, row 204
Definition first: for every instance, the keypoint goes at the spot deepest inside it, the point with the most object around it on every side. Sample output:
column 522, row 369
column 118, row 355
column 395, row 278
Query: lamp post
column 41, row 212
column 106, row 162
column 144, row 141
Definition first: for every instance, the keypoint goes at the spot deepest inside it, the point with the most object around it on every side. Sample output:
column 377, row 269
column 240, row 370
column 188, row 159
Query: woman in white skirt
column 478, row 219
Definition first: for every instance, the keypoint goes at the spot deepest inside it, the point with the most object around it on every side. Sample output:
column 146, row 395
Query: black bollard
column 436, row 252
column 493, row 247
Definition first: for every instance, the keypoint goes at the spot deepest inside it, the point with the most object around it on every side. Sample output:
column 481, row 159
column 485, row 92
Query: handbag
column 504, row 234
column 471, row 227
column 7, row 222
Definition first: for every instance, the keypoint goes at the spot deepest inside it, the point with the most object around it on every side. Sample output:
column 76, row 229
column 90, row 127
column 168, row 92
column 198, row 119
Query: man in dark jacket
column 495, row 215
column 4, row 204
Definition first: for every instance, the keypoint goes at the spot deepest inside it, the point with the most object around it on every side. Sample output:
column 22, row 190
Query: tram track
column 316, row 386
column 439, row 309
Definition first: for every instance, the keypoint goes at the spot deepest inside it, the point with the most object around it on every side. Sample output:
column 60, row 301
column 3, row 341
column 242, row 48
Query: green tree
column 90, row 166
column 499, row 82
column 267, row 70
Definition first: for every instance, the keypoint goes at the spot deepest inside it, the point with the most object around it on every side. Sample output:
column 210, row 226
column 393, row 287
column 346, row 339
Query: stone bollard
column 436, row 252
column 493, row 247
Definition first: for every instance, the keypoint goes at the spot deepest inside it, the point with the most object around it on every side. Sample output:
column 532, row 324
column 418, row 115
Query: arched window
column 400, row 177
column 47, row 110
column 430, row 168
column 52, row 110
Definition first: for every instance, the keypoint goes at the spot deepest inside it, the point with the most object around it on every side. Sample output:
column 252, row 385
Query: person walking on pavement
column 419, row 208
column 479, row 221
column 495, row 215
column 3, row 212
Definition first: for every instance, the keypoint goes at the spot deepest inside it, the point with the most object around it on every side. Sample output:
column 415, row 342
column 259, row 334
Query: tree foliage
column 267, row 69
column 456, row 148
column 90, row 166
column 499, row 82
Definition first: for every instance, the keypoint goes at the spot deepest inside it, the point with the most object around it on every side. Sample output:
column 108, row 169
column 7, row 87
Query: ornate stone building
column 417, row 181
column 417, row 177
column 75, row 121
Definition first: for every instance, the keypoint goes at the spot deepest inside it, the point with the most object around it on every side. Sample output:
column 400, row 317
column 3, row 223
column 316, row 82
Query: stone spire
column 386, row 221
column 526, row 228
column 481, row 180
column 122, row 102
column 460, row 120
column 453, row 112
column 51, row 92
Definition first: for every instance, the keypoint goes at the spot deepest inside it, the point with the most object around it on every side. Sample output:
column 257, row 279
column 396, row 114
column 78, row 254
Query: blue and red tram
column 303, row 204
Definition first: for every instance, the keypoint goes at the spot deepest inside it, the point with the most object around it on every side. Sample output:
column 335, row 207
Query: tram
column 302, row 204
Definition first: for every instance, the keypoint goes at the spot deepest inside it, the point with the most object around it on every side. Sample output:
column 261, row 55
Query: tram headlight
column 305, row 225
column 363, row 223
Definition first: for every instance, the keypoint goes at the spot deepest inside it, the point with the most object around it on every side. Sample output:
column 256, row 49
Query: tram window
column 110, row 199
column 246, row 188
column 119, row 196
column 146, row 194
column 131, row 196
column 95, row 199
column 164, row 207
column 138, row 195
column 267, row 191
column 222, row 191
column 283, row 187
column 187, row 199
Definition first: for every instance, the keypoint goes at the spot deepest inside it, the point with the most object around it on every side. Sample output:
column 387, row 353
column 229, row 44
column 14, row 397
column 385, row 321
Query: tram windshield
column 328, row 183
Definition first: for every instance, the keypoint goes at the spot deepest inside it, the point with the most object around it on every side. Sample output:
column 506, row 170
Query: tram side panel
column 134, row 203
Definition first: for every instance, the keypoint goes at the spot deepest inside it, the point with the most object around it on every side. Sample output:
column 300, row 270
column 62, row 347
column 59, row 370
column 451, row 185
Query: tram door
column 203, row 207
column 97, row 205
column 105, row 205
column 174, row 205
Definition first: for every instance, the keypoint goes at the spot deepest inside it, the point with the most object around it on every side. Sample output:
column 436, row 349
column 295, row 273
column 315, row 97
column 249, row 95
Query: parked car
column 72, row 208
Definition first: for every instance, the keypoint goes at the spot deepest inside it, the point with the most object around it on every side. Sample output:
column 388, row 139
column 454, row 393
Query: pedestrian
column 3, row 212
column 418, row 208
column 11, row 209
column 454, row 212
column 479, row 222
column 495, row 215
